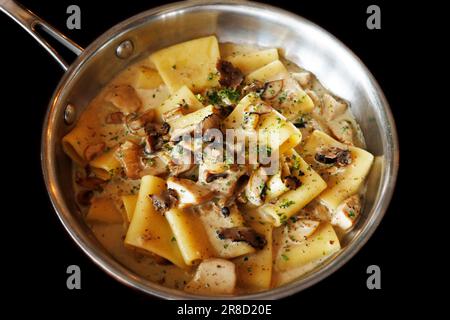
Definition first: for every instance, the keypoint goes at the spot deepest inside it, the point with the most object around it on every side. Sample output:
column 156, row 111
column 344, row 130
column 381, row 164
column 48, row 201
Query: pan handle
column 29, row 21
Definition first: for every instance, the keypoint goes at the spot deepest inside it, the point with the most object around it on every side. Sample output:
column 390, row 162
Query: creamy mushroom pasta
column 218, row 169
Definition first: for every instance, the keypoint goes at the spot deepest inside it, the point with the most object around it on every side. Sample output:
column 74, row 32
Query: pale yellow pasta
column 76, row 142
column 322, row 243
column 291, row 202
column 270, row 72
column 248, row 62
column 149, row 230
column 190, row 235
column 191, row 118
column 183, row 98
column 103, row 209
column 129, row 203
column 278, row 133
column 106, row 165
column 147, row 78
column 191, row 63
column 254, row 270
column 349, row 179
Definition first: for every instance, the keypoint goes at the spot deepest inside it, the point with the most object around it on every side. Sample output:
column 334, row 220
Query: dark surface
column 39, row 249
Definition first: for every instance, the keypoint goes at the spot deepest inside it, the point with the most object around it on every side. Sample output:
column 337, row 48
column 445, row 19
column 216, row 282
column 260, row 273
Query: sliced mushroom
column 129, row 155
column 157, row 129
column 90, row 183
column 136, row 122
column 164, row 201
column 94, row 150
column 347, row 213
column 243, row 234
column 272, row 89
column 189, row 193
column 223, row 181
column 230, row 76
column 84, row 197
column 303, row 78
column 299, row 229
column 125, row 98
column 254, row 191
column 213, row 277
column 173, row 114
column 154, row 136
column 332, row 108
column 342, row 130
column 114, row 118
column 335, row 156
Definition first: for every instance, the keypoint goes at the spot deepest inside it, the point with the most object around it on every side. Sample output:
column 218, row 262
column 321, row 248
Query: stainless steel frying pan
column 235, row 21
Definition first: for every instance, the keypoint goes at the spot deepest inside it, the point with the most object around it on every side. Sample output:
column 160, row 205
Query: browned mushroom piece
column 129, row 156
column 84, row 197
column 90, row 183
column 210, row 176
column 230, row 76
column 243, row 234
column 292, row 182
column 125, row 98
column 255, row 86
column 154, row 136
column 153, row 144
column 207, row 124
column 164, row 201
column 259, row 108
column 94, row 150
column 136, row 122
column 254, row 191
column 114, row 118
column 333, row 155
column 272, row 89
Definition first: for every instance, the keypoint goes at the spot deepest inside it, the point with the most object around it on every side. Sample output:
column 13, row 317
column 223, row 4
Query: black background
column 39, row 249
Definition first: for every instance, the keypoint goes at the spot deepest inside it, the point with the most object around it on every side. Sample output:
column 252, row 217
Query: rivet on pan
column 124, row 49
column 69, row 114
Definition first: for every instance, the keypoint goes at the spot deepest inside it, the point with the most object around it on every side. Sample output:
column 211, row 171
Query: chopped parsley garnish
column 286, row 203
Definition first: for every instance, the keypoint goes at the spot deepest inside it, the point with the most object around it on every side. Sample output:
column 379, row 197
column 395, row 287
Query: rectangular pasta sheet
column 190, row 235
column 346, row 182
column 191, row 63
column 149, row 230
column 254, row 270
column 292, row 201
